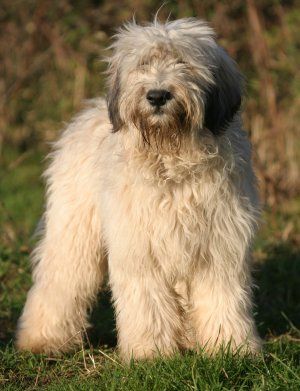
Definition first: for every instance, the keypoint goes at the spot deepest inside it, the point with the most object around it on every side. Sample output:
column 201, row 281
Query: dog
column 155, row 188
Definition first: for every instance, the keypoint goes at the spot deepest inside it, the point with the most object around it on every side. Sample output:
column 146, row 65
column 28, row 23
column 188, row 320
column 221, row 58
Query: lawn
column 96, row 365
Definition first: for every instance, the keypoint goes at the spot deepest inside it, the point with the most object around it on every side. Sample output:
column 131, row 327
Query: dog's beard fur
column 160, row 128
column 163, row 128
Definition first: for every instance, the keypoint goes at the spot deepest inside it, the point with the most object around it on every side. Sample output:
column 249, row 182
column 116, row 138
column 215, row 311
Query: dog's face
column 171, row 80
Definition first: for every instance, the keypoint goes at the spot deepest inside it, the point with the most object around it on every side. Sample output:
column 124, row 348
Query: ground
column 96, row 365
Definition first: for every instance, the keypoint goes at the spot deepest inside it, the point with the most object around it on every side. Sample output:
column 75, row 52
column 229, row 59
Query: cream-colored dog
column 158, row 188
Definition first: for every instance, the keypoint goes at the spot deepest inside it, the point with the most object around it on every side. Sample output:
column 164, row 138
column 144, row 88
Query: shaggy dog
column 157, row 188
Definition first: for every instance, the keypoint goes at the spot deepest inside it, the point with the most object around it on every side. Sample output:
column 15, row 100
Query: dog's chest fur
column 166, row 200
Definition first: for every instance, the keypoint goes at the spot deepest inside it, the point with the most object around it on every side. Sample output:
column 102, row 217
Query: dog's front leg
column 149, row 316
column 221, row 285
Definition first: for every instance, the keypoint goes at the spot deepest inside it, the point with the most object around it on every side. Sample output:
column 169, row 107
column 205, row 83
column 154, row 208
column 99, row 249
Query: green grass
column 277, row 311
column 276, row 370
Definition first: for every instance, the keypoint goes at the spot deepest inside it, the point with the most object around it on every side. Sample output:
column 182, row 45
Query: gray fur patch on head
column 113, row 103
column 223, row 98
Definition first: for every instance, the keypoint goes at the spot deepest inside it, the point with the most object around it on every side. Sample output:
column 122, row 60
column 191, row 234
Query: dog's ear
column 113, row 98
column 223, row 98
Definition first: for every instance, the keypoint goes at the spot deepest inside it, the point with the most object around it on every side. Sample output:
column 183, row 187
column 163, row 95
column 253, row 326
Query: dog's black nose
column 158, row 97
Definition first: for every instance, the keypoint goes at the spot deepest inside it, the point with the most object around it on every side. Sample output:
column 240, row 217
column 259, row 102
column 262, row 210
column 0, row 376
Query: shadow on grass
column 278, row 294
column 103, row 330
column 14, row 282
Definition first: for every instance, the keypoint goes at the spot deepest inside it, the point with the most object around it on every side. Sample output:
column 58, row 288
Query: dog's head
column 170, row 80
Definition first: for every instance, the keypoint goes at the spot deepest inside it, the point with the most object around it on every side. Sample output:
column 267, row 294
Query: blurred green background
column 51, row 61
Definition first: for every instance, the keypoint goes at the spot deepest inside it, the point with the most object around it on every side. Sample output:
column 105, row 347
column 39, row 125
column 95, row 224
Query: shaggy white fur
column 160, row 189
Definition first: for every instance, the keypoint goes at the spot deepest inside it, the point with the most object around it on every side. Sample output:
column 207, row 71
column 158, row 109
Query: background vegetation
column 50, row 62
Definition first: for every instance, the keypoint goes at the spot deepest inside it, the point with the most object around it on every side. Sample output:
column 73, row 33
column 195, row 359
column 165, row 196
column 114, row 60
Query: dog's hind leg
column 221, row 313
column 69, row 262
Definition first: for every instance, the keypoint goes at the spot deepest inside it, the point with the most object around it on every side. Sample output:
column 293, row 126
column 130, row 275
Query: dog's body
column 160, row 188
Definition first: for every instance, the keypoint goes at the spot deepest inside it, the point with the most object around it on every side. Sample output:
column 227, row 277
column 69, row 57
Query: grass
column 277, row 311
column 277, row 370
